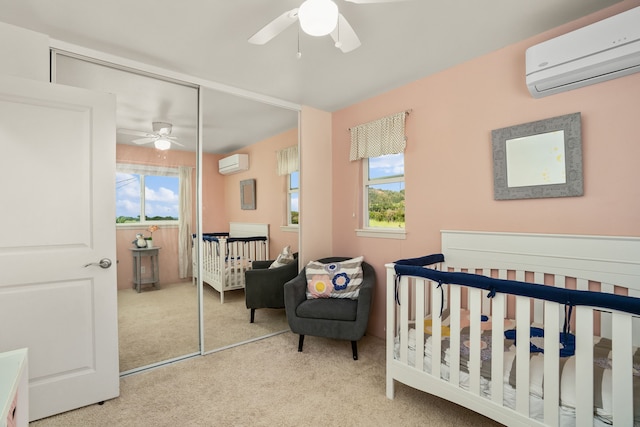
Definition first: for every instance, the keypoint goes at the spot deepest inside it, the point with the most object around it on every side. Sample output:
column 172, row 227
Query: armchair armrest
column 295, row 291
column 258, row 265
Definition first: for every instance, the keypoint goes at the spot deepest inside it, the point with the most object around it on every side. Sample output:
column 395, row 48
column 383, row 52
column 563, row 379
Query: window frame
column 381, row 232
column 290, row 192
column 144, row 171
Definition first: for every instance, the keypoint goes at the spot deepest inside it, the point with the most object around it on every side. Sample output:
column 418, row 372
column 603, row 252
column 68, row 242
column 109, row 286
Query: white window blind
column 379, row 137
column 287, row 160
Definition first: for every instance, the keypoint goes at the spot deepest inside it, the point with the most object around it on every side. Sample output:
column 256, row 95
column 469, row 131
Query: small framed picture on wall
column 248, row 194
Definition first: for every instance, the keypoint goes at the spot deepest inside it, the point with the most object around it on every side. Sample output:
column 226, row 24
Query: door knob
column 103, row 263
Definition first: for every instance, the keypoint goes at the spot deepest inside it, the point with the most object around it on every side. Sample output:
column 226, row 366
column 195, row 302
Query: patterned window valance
column 287, row 160
column 379, row 137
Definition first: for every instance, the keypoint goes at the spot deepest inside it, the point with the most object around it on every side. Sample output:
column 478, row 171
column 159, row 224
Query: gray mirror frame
column 248, row 194
column 571, row 124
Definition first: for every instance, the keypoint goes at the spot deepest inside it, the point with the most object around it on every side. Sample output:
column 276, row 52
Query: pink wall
column 448, row 160
column 214, row 214
column 316, row 198
column 271, row 191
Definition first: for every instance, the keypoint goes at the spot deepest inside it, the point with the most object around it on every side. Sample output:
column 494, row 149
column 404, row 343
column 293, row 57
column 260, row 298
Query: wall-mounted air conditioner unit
column 601, row 51
column 233, row 164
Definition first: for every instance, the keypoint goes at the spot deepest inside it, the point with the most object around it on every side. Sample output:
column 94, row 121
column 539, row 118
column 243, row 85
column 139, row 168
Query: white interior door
column 57, row 170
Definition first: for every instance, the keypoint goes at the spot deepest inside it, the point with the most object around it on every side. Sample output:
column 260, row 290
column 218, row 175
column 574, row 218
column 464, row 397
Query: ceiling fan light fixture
column 162, row 144
column 318, row 17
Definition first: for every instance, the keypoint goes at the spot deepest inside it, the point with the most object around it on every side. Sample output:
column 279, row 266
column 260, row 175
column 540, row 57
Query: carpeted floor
column 268, row 383
column 162, row 324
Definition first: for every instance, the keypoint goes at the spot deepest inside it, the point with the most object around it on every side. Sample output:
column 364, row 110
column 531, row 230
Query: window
column 293, row 190
column 148, row 190
column 384, row 191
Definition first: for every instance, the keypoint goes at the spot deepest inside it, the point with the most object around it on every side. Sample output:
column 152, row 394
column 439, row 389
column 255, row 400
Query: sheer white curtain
column 184, row 225
column 379, row 137
column 287, row 160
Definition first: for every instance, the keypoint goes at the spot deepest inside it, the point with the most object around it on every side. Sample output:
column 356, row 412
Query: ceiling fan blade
column 143, row 141
column 374, row 1
column 135, row 133
column 173, row 141
column 345, row 37
column 274, row 27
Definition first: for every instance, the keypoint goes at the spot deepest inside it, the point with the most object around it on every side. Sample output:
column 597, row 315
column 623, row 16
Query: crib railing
column 412, row 298
column 225, row 259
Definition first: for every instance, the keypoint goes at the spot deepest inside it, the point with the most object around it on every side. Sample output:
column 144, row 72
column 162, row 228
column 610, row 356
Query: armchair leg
column 354, row 348
column 253, row 314
column 300, row 342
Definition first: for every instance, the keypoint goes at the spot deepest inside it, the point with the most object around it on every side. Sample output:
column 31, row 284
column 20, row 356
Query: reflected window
column 293, row 192
column 384, row 191
column 142, row 196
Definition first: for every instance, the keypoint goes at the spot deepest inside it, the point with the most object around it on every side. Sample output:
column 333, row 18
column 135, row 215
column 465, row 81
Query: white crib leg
column 390, row 387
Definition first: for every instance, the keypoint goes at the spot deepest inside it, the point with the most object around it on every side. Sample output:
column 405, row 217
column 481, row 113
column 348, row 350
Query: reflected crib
column 226, row 256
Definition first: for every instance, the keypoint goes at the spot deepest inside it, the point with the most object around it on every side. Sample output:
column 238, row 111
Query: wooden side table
column 138, row 278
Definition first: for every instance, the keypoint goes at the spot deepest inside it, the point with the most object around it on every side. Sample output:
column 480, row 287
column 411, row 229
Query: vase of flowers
column 149, row 239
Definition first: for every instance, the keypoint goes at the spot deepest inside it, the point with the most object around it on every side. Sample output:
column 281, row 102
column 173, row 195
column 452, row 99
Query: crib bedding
column 602, row 368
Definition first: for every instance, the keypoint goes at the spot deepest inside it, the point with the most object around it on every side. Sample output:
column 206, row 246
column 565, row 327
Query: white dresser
column 14, row 388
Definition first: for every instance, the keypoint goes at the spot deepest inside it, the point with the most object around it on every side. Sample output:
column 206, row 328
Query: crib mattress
column 602, row 372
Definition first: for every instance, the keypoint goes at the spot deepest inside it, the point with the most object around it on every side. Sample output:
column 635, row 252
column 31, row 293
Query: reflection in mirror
column 157, row 302
column 248, row 194
column 538, row 159
column 236, row 125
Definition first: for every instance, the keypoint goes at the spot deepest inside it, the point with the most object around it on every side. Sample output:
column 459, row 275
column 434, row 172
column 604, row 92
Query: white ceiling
column 207, row 39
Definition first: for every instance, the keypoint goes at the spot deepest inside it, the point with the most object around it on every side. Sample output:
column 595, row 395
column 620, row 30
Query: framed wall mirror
column 538, row 159
column 248, row 194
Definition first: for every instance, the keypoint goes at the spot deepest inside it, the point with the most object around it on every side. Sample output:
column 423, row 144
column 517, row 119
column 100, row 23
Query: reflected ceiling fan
column 317, row 18
column 161, row 136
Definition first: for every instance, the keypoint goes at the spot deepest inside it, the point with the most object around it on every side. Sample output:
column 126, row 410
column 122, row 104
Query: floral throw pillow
column 285, row 257
column 335, row 280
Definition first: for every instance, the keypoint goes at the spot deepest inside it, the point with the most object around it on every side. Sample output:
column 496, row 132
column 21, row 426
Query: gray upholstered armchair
column 337, row 318
column 264, row 286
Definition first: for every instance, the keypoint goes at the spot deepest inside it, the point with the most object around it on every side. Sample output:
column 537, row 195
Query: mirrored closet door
column 253, row 200
column 156, row 146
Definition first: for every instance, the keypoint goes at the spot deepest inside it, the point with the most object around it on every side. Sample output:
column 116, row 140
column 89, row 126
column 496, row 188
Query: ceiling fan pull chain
column 299, row 54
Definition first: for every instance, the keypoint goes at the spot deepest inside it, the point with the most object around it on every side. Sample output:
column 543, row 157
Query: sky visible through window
column 294, row 184
column 388, row 166
column 161, row 195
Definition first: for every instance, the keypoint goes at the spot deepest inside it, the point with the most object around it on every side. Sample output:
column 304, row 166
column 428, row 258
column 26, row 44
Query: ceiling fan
column 161, row 136
column 317, row 18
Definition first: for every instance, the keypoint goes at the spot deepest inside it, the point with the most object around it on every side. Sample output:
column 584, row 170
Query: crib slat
column 551, row 364
column 390, row 329
column 622, row 360
column 404, row 318
column 454, row 326
column 584, row 361
column 420, row 315
column 474, row 346
column 497, row 346
column 522, row 355
column 636, row 320
column 436, row 336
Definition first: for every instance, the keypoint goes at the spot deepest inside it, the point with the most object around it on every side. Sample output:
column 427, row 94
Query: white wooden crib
column 502, row 380
column 226, row 256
